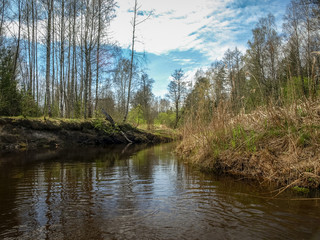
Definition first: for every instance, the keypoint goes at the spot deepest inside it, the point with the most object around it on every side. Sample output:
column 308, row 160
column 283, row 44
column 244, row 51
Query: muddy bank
column 35, row 134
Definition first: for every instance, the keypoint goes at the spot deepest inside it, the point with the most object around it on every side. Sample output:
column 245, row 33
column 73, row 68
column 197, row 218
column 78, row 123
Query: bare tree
column 144, row 96
column 134, row 23
column 232, row 60
column 73, row 91
column 53, row 60
column 132, row 58
column 98, row 51
column 62, row 39
column 177, row 91
column 292, row 28
column 3, row 7
column 121, row 77
column 16, row 56
column 263, row 56
column 48, row 46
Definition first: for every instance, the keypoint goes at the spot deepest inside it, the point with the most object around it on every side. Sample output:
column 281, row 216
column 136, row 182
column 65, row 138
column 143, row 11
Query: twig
column 285, row 188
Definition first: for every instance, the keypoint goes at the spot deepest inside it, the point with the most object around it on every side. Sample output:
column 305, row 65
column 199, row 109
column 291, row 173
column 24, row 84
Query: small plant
column 241, row 137
column 311, row 179
column 251, row 142
column 300, row 190
column 304, row 139
column 237, row 135
column 99, row 124
column 309, row 170
column 301, row 112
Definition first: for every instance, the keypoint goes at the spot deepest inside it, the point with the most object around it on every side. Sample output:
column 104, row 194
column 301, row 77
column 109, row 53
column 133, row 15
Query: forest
column 58, row 59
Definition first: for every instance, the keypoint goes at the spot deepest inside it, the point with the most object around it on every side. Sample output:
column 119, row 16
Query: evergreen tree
column 10, row 98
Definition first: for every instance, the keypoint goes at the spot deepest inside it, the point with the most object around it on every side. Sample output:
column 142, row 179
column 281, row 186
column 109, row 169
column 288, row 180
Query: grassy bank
column 272, row 145
column 20, row 133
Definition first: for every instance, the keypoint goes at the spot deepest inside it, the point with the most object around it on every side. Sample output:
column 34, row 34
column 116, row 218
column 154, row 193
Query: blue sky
column 190, row 34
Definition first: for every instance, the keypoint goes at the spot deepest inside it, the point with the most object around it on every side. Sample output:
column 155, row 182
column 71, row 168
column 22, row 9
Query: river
column 139, row 192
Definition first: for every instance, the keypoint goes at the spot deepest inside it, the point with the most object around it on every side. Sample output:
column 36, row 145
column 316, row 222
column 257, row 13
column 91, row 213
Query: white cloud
column 161, row 92
column 184, row 61
column 201, row 30
column 190, row 77
column 208, row 26
column 170, row 28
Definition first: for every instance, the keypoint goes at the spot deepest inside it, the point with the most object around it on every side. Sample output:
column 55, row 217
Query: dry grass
column 272, row 144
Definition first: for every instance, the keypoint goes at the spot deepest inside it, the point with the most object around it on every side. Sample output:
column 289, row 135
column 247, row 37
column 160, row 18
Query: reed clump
column 272, row 144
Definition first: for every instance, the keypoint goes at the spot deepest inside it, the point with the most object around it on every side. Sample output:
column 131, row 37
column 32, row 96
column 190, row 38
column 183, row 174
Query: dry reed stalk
column 280, row 158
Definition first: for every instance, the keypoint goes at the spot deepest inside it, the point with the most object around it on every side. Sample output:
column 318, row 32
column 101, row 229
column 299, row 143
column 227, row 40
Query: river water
column 139, row 193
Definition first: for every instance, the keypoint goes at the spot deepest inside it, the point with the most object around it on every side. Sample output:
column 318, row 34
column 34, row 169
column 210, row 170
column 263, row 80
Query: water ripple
column 146, row 195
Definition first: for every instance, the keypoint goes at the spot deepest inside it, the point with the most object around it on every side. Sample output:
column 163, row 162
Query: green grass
column 301, row 190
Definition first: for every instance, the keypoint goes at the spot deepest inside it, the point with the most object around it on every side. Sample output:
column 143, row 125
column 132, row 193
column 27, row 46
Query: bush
column 166, row 118
column 135, row 116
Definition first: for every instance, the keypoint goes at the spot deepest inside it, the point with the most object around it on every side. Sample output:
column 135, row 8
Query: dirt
column 31, row 134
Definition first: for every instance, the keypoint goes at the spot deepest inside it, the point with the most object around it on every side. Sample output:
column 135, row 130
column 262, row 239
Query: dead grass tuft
column 273, row 144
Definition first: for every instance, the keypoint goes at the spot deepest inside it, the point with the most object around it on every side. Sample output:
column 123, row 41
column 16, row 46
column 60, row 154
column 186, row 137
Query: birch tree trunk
column 131, row 60
column 50, row 7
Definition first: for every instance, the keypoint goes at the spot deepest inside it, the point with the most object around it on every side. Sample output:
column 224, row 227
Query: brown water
column 127, row 193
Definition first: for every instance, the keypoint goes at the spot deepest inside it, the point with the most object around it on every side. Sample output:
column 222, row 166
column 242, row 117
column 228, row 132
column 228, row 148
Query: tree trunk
column 98, row 57
column 33, row 50
column 67, row 99
column 29, row 49
column 62, row 59
column 53, row 61
column 2, row 18
column 81, row 97
column 73, row 59
column 50, row 8
column 90, row 93
column 87, row 62
column 131, row 60
column 177, row 114
column 110, row 119
column 36, row 52
column 16, row 56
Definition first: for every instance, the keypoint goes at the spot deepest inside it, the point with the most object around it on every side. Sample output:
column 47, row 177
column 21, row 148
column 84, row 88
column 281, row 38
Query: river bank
column 19, row 134
column 271, row 145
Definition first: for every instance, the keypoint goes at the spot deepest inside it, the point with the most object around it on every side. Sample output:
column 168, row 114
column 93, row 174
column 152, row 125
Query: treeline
column 277, row 69
column 57, row 59
column 57, row 52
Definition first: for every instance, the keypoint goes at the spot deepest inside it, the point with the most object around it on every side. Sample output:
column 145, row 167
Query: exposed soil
column 29, row 134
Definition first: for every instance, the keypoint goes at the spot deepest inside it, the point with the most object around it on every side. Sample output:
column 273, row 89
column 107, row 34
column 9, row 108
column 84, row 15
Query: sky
column 189, row 34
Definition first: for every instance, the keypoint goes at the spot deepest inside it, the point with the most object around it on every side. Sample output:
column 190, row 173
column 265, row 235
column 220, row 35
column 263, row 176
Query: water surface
column 128, row 193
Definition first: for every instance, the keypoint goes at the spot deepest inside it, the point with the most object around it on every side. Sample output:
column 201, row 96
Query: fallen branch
column 286, row 187
column 110, row 119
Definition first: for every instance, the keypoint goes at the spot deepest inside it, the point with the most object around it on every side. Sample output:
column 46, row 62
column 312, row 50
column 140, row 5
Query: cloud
column 184, row 61
column 190, row 34
column 210, row 27
column 169, row 29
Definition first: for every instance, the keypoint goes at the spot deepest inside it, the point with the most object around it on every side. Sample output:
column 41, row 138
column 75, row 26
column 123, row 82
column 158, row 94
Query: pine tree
column 10, row 98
